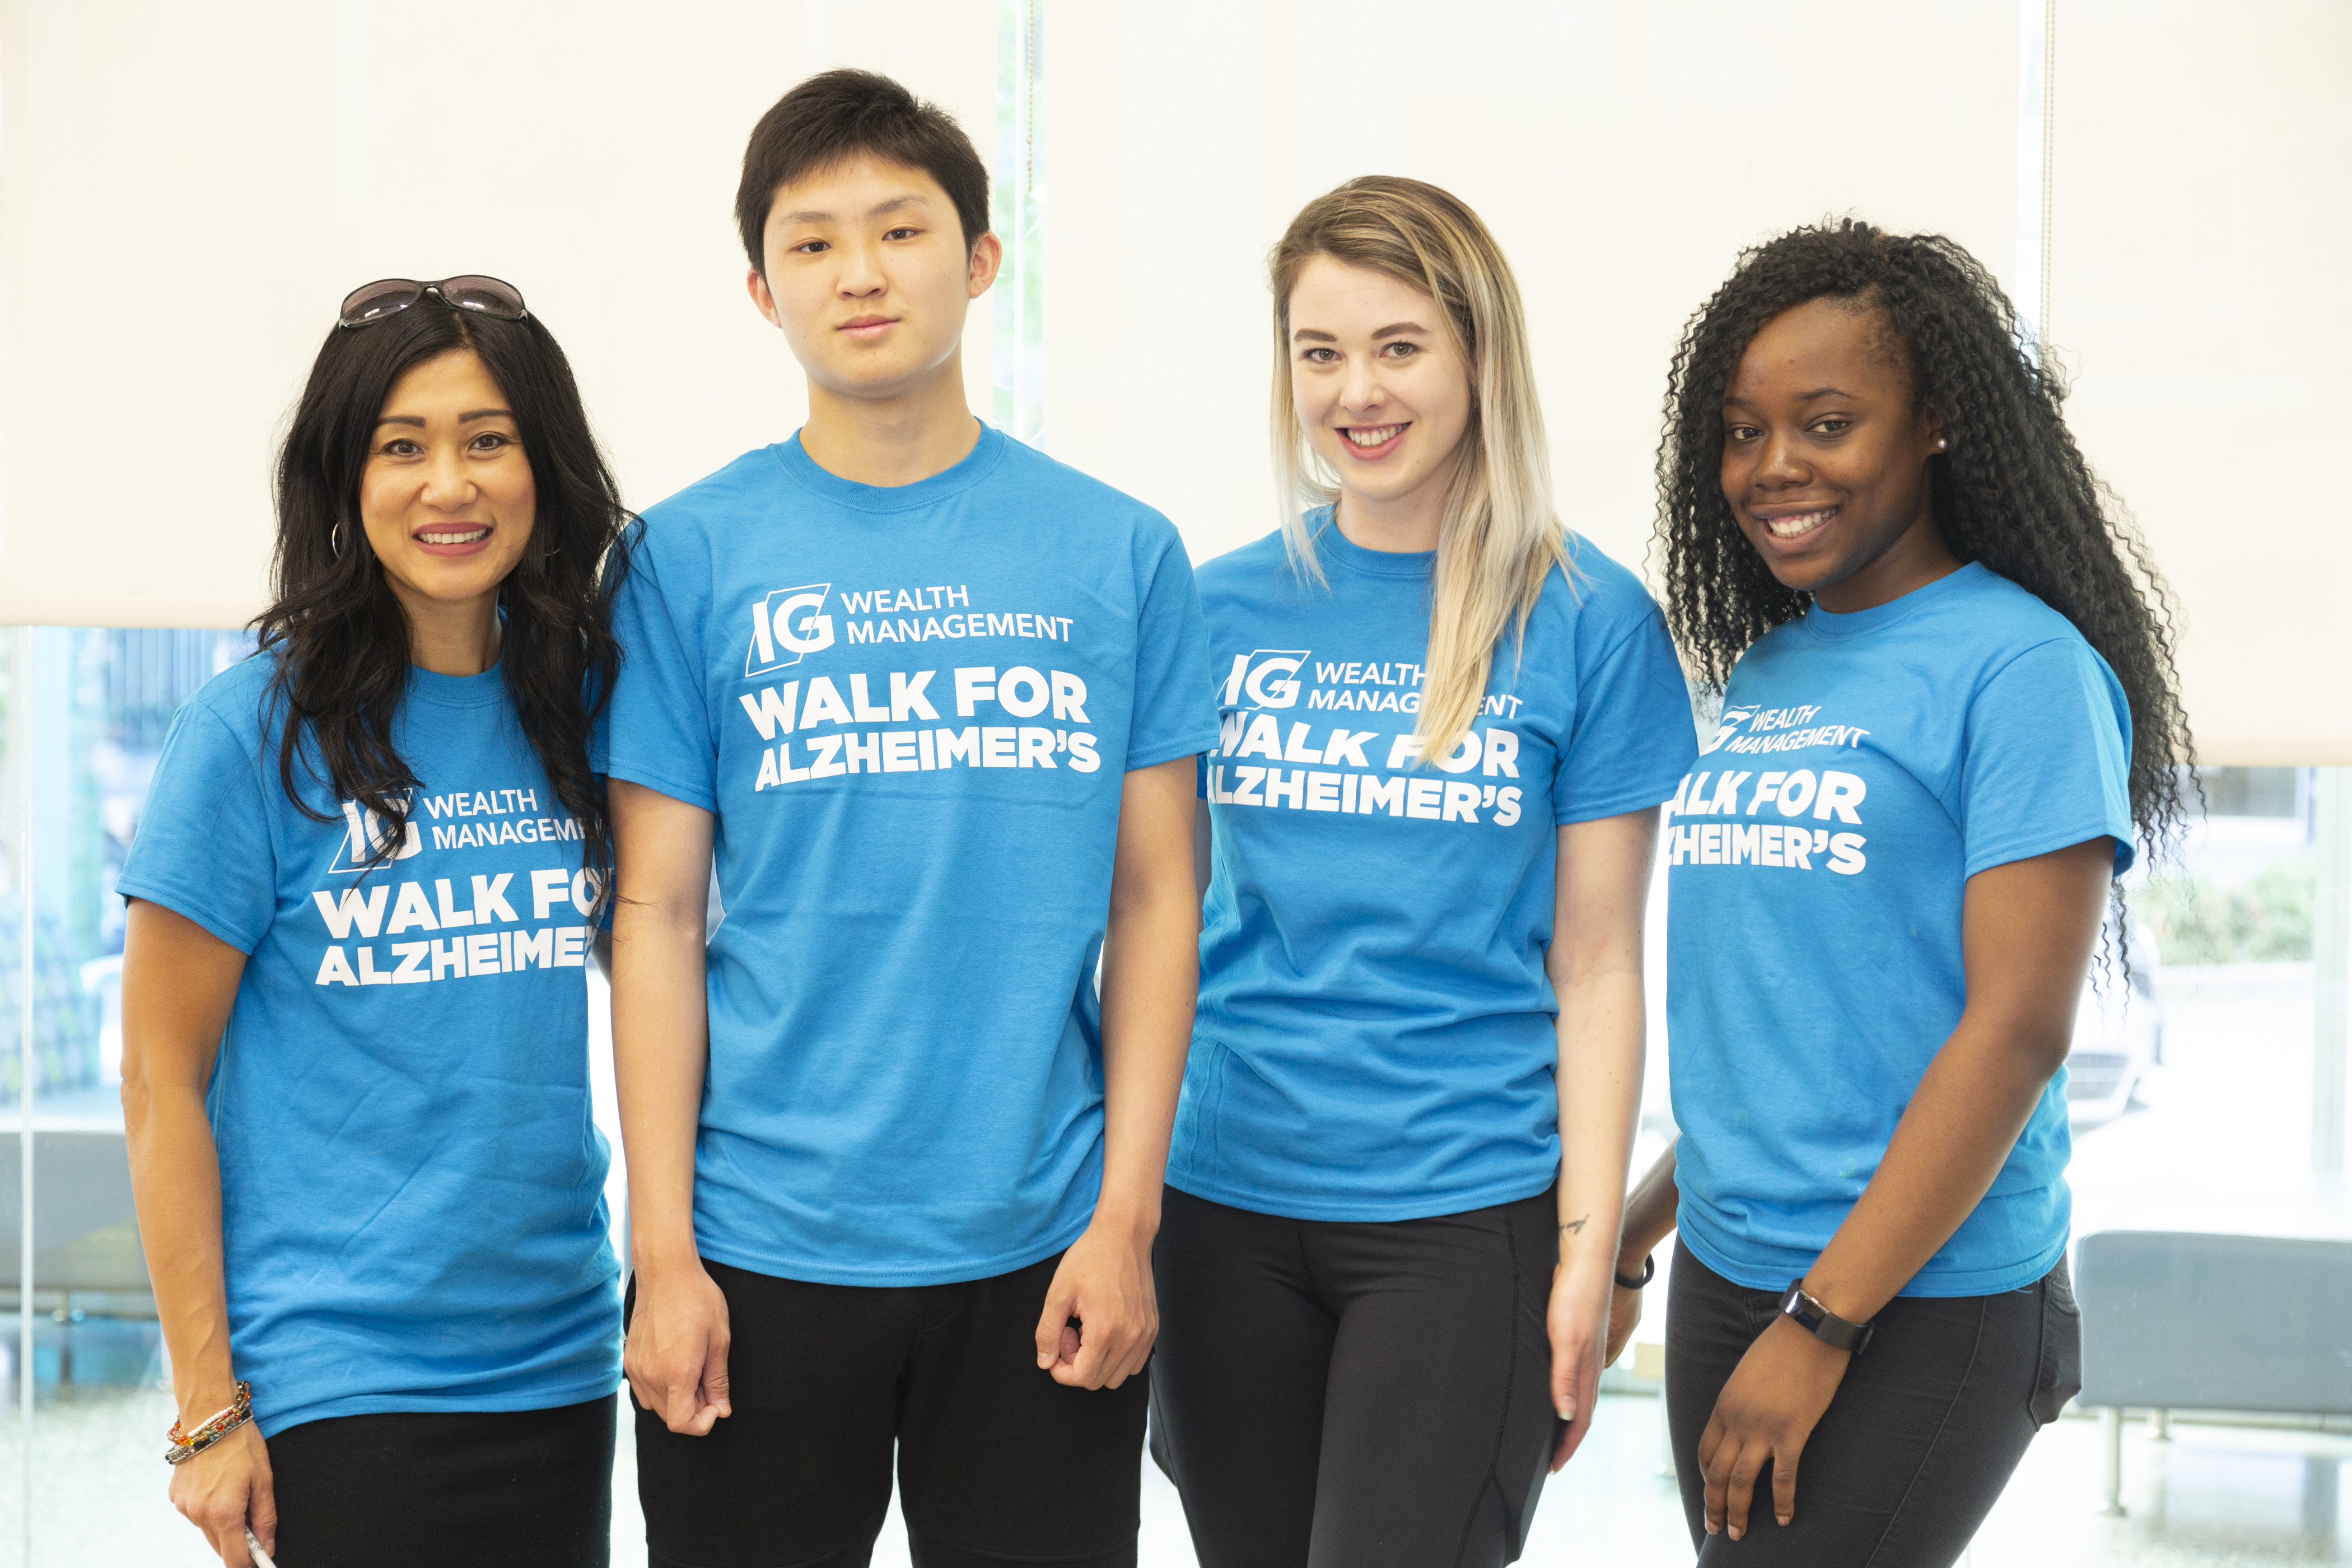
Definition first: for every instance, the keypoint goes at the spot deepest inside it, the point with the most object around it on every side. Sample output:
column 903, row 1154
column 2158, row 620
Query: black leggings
column 1348, row 1396
column 998, row 1464
column 1916, row 1444
column 523, row 1488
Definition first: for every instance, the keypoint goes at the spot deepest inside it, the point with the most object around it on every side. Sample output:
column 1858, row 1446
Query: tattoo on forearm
column 1576, row 1226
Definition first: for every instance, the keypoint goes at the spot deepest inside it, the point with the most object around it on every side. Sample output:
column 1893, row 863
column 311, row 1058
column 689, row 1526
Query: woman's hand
column 225, row 1488
column 1624, row 1315
column 1767, row 1411
column 676, row 1356
column 1578, row 1322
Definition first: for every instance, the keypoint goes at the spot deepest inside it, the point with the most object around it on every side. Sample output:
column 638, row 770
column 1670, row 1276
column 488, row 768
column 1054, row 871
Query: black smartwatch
column 1824, row 1325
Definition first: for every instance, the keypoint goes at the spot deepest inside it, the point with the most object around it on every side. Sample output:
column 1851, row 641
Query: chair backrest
column 2183, row 1320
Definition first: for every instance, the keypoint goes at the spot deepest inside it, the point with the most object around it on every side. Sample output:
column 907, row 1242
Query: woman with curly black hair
column 1950, row 710
column 354, row 1004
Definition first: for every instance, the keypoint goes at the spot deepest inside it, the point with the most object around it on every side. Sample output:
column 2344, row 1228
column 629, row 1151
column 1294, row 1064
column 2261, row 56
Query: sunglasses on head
column 372, row 302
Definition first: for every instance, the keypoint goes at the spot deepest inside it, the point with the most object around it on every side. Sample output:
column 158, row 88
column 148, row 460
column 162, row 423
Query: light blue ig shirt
column 1375, row 1038
column 412, row 1186
column 1865, row 767
column 911, row 710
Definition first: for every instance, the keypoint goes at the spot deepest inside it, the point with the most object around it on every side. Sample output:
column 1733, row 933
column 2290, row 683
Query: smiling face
column 1825, row 457
column 1379, row 386
column 447, row 496
column 869, row 277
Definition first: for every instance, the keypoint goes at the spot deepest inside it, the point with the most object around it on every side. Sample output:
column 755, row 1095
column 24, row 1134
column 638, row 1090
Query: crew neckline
column 1323, row 527
column 973, row 467
column 456, row 691
column 1828, row 623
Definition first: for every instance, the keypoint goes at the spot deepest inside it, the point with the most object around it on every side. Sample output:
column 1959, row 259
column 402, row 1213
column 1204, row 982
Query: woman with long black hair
column 1950, row 710
column 354, row 1003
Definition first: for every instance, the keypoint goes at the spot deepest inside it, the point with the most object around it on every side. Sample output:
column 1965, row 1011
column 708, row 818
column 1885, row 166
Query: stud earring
column 1941, row 444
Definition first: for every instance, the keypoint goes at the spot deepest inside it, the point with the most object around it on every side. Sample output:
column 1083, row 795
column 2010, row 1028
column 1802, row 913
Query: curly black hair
column 2013, row 491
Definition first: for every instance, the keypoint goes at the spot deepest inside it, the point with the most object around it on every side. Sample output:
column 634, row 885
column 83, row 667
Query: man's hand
column 1105, row 1282
column 677, row 1355
column 1770, row 1407
column 225, row 1488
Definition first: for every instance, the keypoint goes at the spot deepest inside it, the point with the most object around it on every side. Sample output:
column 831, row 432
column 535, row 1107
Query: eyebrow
column 895, row 204
column 1729, row 401
column 467, row 417
column 1392, row 330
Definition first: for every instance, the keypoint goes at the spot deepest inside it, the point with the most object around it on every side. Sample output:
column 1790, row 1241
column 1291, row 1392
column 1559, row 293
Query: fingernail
column 1781, row 1520
column 1713, row 1528
column 1567, row 1410
column 1735, row 1532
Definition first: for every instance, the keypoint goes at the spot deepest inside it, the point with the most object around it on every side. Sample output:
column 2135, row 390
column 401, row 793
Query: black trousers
column 1919, row 1439
column 529, row 1489
column 997, row 1463
column 1355, row 1395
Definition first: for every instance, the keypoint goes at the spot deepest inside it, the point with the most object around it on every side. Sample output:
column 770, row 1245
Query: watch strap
column 1838, row 1333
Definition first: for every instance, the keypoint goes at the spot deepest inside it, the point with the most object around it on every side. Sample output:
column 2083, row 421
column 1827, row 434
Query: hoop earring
column 335, row 540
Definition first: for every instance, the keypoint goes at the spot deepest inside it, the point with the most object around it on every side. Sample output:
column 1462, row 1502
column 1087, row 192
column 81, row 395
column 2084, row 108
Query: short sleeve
column 1174, row 712
column 1633, row 739
column 2047, row 762
column 655, row 731
column 203, row 849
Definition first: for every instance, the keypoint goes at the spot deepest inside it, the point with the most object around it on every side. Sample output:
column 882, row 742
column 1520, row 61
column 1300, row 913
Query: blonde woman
column 1385, row 1256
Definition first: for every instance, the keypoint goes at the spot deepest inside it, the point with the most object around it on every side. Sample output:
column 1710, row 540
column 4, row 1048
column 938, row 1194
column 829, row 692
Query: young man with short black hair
column 934, row 700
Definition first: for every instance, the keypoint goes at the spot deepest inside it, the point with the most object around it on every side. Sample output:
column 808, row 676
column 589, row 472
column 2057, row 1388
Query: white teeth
column 467, row 538
column 1804, row 522
column 1374, row 436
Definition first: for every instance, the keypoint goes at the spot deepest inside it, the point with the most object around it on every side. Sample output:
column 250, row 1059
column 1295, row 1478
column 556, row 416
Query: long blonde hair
column 1501, row 536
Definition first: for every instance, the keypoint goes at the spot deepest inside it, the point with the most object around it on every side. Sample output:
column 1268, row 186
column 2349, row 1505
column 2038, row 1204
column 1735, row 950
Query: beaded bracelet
column 186, row 1446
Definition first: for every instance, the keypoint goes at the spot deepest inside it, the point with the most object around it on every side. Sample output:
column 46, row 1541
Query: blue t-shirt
column 911, row 709
column 1375, row 1035
column 412, row 1186
column 1867, row 765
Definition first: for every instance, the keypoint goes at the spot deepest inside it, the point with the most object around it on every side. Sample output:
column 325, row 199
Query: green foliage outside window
column 2266, row 920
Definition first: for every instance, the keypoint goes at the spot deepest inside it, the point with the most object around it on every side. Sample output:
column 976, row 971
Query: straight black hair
column 341, row 640
column 838, row 114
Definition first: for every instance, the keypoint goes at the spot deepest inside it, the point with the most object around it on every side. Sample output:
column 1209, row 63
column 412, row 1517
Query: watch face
column 1823, row 1325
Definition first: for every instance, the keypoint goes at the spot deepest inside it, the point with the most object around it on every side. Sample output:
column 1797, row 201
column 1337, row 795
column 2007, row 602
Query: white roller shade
column 187, row 191
column 1623, row 152
column 2199, row 260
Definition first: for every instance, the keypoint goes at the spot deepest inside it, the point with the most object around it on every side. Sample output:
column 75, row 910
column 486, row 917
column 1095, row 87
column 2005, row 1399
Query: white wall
column 1625, row 151
column 2198, row 282
column 1621, row 151
column 187, row 191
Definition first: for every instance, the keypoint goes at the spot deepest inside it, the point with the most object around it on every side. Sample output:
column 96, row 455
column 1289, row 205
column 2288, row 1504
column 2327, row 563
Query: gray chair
column 2187, row 1315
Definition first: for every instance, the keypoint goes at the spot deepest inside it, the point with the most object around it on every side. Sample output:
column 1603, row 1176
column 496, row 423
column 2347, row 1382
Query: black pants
column 997, row 1463
column 1919, row 1439
column 1355, row 1395
column 531, row 1488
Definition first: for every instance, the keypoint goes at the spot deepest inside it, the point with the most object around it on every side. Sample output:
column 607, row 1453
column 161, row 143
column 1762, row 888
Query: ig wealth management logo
column 1727, row 726
column 365, row 835
column 786, row 626
column 1267, row 677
